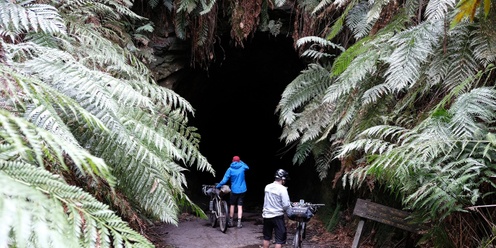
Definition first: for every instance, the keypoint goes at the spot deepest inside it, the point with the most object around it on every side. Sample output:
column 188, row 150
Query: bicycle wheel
column 298, row 237
column 212, row 216
column 223, row 216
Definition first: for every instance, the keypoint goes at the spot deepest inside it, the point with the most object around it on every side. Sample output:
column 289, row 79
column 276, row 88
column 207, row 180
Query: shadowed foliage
column 408, row 106
column 90, row 146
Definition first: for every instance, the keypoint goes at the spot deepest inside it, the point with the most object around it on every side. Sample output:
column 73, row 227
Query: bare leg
column 266, row 243
column 278, row 246
column 231, row 211
column 240, row 212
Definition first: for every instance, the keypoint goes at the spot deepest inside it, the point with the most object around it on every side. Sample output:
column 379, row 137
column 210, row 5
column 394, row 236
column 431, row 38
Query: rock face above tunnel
column 175, row 58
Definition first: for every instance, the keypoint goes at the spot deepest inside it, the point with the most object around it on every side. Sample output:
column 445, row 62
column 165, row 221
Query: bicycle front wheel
column 298, row 237
column 212, row 216
column 223, row 216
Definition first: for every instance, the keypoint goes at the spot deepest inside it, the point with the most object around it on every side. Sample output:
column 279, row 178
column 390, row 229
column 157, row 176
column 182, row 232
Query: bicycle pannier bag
column 225, row 189
column 295, row 213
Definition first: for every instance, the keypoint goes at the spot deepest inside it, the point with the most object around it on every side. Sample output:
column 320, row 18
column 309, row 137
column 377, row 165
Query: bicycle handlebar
column 313, row 207
column 206, row 187
column 306, row 204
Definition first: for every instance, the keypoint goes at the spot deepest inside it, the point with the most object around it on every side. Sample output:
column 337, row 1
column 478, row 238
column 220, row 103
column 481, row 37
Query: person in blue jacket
column 236, row 175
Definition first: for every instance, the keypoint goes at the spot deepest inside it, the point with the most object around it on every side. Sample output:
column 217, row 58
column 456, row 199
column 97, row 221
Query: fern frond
column 154, row 3
column 375, row 93
column 27, row 17
column 25, row 210
column 339, row 23
column 320, row 41
column 207, row 6
column 484, row 45
column 186, row 6
column 181, row 22
column 32, row 144
column 469, row 109
column 438, row 9
column 374, row 140
column 101, row 7
column 280, row 3
column 302, row 151
column 357, row 70
column 357, row 20
column 447, row 151
column 94, row 50
column 91, row 88
column 375, row 10
column 344, row 59
column 62, row 71
column 412, row 48
column 324, row 158
column 304, row 87
column 72, row 213
column 463, row 64
column 322, row 4
column 315, row 55
column 313, row 120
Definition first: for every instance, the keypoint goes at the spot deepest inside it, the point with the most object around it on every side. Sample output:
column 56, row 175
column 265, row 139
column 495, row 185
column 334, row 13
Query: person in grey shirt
column 276, row 202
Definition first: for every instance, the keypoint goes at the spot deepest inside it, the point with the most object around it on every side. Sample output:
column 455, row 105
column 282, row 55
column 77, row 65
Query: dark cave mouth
column 235, row 115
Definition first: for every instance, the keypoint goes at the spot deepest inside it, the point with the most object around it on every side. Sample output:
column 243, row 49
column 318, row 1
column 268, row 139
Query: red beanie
column 235, row 159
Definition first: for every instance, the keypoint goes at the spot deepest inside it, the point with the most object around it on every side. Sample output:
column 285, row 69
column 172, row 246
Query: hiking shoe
column 230, row 223
column 239, row 224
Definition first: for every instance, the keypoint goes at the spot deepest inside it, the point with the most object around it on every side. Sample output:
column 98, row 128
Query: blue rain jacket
column 236, row 174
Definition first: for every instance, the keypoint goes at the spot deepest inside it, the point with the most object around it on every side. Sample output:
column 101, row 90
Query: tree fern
column 26, row 180
column 87, row 86
column 445, row 153
column 423, row 85
column 64, row 214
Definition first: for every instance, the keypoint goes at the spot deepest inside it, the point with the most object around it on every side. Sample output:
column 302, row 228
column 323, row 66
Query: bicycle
column 217, row 207
column 301, row 212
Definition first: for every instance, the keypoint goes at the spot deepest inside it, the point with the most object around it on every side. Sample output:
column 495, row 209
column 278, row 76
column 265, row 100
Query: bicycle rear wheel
column 223, row 216
column 298, row 237
column 212, row 216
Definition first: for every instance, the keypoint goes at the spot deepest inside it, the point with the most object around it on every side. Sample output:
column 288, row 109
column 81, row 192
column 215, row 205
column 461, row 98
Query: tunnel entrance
column 235, row 104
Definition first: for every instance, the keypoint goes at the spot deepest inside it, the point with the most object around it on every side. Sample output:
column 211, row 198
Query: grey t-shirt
column 276, row 200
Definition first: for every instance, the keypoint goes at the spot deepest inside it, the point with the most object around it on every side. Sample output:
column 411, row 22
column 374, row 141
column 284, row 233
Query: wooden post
column 368, row 210
column 358, row 234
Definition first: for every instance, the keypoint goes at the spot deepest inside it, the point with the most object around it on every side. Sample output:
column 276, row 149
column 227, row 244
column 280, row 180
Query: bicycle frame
column 301, row 222
column 300, row 233
column 217, row 207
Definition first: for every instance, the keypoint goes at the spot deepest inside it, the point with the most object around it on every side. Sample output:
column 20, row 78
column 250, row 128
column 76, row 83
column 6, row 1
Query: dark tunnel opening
column 235, row 115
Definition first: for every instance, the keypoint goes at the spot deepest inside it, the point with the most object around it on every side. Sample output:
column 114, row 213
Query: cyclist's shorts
column 236, row 199
column 277, row 225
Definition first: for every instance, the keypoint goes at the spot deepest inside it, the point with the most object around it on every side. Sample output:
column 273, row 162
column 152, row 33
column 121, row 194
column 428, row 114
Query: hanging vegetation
column 409, row 106
column 90, row 146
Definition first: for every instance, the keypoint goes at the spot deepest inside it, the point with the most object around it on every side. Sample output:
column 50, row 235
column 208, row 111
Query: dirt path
column 193, row 232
